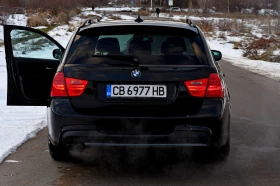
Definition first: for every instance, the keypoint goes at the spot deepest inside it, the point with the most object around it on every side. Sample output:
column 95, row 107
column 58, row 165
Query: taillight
column 63, row 86
column 207, row 87
column 215, row 88
column 197, row 87
column 75, row 87
column 58, row 86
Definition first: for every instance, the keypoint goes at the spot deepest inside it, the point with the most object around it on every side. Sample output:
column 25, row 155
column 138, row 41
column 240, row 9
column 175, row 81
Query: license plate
column 144, row 91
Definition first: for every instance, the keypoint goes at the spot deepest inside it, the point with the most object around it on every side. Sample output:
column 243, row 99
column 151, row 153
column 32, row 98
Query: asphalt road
column 254, row 158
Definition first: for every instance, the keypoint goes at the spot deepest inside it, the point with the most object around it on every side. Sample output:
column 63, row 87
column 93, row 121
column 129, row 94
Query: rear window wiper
column 120, row 60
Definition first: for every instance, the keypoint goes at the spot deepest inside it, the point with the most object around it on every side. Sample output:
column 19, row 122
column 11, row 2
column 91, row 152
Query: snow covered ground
column 18, row 124
column 117, row 9
column 269, row 69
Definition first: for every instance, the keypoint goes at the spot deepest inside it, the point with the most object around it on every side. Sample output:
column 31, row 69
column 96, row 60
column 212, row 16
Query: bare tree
column 278, row 7
column 190, row 4
column 203, row 4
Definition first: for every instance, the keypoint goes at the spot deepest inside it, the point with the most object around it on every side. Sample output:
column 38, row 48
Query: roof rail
column 92, row 20
column 190, row 22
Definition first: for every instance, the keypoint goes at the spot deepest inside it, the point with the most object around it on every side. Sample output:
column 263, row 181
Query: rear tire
column 58, row 153
column 221, row 153
column 211, row 154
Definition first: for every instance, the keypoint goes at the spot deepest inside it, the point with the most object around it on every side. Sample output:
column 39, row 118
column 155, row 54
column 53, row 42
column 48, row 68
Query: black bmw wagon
column 122, row 84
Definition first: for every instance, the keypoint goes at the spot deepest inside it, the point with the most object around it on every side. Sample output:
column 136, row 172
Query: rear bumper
column 183, row 135
column 198, row 130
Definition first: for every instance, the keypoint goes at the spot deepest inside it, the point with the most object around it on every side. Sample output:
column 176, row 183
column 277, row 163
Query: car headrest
column 173, row 45
column 110, row 45
column 139, row 46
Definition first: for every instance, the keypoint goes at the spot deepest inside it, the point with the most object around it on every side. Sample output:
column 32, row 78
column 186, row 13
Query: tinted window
column 28, row 44
column 152, row 45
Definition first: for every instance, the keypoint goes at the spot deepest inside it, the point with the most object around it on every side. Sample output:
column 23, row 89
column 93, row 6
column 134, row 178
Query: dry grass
column 49, row 28
column 87, row 16
column 278, row 26
column 176, row 12
column 55, row 16
column 61, row 18
column 225, row 24
column 205, row 25
column 114, row 17
column 222, row 35
column 237, row 45
column 71, row 28
column 143, row 12
column 268, row 54
column 74, row 12
column 267, row 45
column 38, row 19
column 54, row 11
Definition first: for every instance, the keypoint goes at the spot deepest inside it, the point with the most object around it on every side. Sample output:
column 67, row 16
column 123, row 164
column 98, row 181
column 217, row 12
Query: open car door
column 30, row 65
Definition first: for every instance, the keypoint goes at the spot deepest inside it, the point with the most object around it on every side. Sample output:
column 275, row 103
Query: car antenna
column 138, row 20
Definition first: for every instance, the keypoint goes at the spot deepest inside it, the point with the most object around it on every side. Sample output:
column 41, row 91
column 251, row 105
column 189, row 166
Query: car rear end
column 134, row 86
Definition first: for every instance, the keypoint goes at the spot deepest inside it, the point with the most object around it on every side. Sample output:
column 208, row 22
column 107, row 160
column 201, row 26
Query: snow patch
column 12, row 161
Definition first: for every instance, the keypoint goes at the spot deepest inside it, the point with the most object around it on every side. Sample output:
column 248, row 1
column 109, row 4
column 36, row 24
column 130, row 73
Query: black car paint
column 67, row 122
column 24, row 73
column 214, row 115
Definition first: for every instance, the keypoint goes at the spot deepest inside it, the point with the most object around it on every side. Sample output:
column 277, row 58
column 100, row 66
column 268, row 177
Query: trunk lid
column 94, row 100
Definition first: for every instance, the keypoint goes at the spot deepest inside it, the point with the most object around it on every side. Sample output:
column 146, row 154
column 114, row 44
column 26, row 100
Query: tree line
column 218, row 5
column 221, row 5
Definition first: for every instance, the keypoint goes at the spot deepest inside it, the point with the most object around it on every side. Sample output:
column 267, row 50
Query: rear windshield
column 151, row 45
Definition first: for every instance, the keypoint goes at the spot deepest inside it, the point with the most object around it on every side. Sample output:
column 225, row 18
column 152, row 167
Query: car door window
column 27, row 44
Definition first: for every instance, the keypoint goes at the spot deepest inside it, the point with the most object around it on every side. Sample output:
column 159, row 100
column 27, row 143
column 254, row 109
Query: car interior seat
column 173, row 46
column 108, row 46
column 140, row 46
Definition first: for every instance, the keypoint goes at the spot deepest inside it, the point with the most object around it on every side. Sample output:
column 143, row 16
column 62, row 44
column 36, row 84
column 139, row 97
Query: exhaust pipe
column 69, row 147
column 78, row 147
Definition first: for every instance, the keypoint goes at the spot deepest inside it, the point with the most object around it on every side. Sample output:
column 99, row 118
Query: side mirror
column 57, row 54
column 217, row 55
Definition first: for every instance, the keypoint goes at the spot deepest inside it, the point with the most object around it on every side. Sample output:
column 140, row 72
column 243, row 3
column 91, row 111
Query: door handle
column 47, row 68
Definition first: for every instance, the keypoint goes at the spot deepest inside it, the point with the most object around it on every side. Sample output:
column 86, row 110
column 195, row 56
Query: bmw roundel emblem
column 135, row 73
